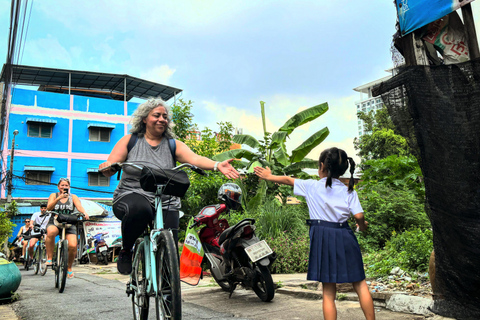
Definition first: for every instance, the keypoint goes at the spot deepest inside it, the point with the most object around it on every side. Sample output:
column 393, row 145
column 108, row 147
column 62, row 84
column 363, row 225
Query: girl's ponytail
column 352, row 170
column 328, row 165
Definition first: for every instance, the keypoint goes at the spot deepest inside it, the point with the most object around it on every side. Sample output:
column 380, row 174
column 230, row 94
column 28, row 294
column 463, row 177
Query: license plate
column 101, row 249
column 258, row 251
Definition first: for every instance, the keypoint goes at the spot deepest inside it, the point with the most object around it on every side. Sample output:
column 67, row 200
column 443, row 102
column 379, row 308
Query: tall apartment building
column 64, row 125
column 367, row 102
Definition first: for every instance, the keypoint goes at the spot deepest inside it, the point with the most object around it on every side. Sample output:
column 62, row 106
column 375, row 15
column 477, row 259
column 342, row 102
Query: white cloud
column 160, row 74
column 47, row 52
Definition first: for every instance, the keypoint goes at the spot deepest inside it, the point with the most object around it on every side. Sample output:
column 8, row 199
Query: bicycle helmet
column 231, row 194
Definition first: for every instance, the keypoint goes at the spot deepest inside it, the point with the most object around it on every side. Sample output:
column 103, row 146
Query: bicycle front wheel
column 140, row 298
column 36, row 259
column 62, row 266
column 42, row 262
column 168, row 300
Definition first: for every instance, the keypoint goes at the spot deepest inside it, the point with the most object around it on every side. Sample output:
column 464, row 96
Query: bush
column 292, row 253
column 409, row 250
column 388, row 210
column 273, row 219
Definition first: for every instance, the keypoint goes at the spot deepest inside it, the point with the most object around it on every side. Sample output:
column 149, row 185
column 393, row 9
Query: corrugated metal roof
column 60, row 80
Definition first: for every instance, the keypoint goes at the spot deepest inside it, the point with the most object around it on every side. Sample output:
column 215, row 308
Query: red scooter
column 234, row 254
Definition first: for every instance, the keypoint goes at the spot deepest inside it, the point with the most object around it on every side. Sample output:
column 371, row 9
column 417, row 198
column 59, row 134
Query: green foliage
column 271, row 152
column 397, row 172
column 380, row 139
column 6, row 225
column 274, row 219
column 182, row 117
column 388, row 210
column 292, row 253
column 409, row 250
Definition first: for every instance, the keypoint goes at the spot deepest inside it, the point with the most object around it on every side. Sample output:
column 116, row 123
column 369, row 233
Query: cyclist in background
column 23, row 236
column 63, row 202
column 151, row 123
column 38, row 219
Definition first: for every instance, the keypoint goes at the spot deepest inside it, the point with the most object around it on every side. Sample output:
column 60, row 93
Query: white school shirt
column 333, row 204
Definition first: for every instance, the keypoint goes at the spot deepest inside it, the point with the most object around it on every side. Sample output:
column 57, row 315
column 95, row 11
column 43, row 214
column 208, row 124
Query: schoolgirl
column 335, row 255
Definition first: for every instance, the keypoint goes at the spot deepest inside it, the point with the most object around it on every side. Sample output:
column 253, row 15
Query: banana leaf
column 278, row 138
column 235, row 154
column 302, row 150
column 304, row 117
column 253, row 165
column 246, row 139
column 298, row 166
column 257, row 200
column 281, row 155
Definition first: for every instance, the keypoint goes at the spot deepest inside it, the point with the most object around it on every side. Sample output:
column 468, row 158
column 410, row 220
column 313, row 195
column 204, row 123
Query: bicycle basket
column 176, row 181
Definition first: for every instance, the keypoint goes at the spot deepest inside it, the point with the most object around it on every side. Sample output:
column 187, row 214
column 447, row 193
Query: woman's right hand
column 108, row 172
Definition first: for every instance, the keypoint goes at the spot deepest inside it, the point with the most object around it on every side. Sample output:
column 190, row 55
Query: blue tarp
column 414, row 14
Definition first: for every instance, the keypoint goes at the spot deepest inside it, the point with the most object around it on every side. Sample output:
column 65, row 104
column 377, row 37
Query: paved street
column 99, row 293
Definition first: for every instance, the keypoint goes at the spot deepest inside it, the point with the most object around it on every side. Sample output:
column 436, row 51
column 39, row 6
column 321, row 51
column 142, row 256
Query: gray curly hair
column 142, row 112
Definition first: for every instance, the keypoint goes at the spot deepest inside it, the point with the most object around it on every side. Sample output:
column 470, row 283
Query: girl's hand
column 263, row 173
column 227, row 169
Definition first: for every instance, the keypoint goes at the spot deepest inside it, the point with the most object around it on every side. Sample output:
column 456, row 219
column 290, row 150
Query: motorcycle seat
column 229, row 232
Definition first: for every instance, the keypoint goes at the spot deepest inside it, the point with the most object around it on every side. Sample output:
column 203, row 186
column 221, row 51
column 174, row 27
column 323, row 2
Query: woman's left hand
column 86, row 216
column 227, row 169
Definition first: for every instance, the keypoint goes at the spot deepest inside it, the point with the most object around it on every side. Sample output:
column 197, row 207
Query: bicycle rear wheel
column 42, row 259
column 140, row 299
column 36, row 259
column 62, row 266
column 168, row 300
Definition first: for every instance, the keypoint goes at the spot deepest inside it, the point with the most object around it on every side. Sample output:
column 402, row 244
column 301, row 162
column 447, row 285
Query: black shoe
column 124, row 262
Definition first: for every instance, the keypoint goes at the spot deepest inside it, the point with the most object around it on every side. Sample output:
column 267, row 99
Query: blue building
column 65, row 126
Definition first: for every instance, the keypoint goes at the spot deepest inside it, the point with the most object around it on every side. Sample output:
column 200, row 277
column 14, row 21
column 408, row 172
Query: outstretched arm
column 185, row 154
column 266, row 174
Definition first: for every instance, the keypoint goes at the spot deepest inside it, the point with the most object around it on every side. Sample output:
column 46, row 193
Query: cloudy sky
column 226, row 55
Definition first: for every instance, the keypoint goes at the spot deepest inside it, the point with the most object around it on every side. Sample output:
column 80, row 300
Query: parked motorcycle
column 98, row 245
column 234, row 254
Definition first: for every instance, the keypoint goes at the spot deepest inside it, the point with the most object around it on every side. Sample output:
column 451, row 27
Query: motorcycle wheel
column 263, row 284
column 224, row 284
column 105, row 257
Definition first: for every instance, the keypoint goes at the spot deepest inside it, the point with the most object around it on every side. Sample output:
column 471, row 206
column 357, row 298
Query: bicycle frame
column 151, row 248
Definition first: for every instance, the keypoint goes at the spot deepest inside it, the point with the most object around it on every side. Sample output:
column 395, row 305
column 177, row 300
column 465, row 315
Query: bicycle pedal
column 129, row 290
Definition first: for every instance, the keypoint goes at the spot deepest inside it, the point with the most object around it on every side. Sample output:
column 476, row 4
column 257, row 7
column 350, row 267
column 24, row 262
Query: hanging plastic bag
column 191, row 258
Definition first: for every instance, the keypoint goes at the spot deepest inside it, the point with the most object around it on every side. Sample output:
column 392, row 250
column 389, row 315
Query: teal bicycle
column 155, row 270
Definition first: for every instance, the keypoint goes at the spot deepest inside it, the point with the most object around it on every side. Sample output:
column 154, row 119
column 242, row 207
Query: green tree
column 271, row 151
column 6, row 225
column 380, row 139
column 182, row 117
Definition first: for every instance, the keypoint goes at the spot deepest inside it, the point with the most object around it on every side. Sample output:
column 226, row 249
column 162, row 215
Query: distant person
column 63, row 202
column 23, row 236
column 135, row 207
column 335, row 255
column 39, row 218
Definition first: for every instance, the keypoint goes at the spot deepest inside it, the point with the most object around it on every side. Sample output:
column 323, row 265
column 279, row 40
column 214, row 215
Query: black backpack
column 171, row 144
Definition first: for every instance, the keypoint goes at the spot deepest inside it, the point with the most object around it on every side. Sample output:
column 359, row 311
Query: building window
column 99, row 134
column 38, row 177
column 39, row 130
column 96, row 179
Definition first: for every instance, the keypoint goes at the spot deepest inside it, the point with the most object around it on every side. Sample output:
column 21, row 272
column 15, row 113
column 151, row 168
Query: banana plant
column 271, row 151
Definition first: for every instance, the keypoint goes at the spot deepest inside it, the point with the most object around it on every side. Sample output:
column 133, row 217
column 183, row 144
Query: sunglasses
column 27, row 221
column 64, row 179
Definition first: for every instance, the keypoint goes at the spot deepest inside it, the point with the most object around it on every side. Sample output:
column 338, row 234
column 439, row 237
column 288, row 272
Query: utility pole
column 10, row 172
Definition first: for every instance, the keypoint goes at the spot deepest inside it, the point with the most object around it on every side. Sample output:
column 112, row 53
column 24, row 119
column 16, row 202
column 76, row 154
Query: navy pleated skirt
column 334, row 253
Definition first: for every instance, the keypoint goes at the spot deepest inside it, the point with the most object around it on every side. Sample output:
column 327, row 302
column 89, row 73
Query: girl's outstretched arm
column 266, row 174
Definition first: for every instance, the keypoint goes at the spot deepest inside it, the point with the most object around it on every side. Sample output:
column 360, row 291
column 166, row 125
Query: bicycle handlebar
column 117, row 166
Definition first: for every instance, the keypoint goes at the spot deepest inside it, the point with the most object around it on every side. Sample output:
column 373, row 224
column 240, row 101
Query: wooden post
column 412, row 50
column 470, row 32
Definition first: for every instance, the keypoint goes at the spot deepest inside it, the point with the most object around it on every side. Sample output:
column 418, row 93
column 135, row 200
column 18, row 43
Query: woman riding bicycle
column 131, row 204
column 63, row 202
